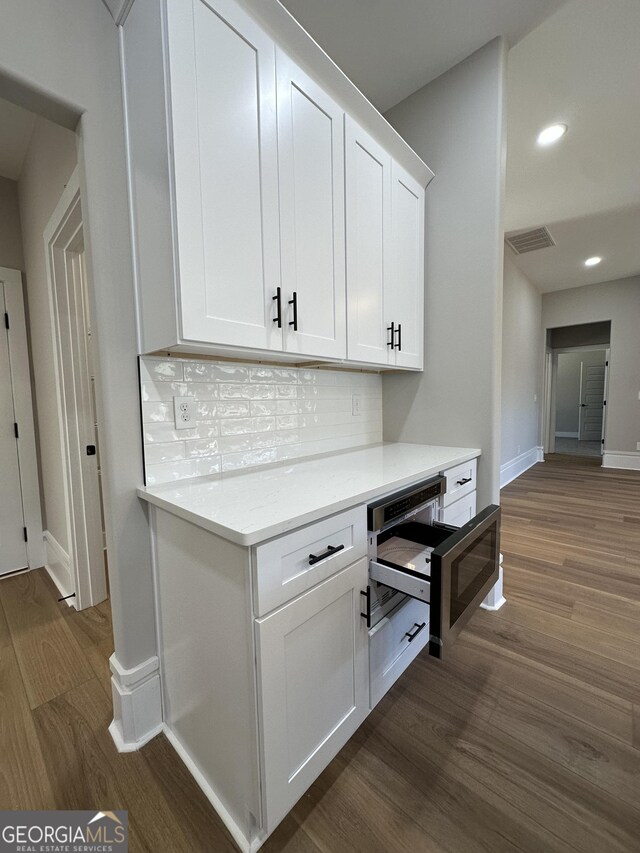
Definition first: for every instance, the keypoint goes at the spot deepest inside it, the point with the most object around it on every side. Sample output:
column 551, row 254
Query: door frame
column 550, row 384
column 23, row 413
column 63, row 236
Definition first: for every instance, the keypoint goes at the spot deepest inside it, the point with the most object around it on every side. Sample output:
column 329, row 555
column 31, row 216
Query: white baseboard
column 137, row 704
column 567, row 435
column 628, row 459
column 515, row 467
column 58, row 566
column 246, row 845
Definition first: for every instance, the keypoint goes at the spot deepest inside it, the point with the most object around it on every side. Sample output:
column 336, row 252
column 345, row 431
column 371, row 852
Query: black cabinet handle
column 392, row 329
column 331, row 549
column 415, row 633
column 399, row 331
column 294, row 302
column 367, row 615
column 278, row 300
column 463, row 481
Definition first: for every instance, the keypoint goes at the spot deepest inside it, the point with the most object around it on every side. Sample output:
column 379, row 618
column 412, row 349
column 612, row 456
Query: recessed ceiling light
column 591, row 262
column 552, row 134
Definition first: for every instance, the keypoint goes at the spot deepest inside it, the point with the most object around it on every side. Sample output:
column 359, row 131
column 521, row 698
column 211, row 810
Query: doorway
column 75, row 373
column 575, row 401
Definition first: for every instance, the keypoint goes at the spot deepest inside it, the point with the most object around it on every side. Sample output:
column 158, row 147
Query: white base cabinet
column 312, row 658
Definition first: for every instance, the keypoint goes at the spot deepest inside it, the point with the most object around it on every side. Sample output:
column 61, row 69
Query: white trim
column 517, row 466
column 58, row 566
column 566, row 434
column 137, row 707
column 23, row 408
column 626, row 459
column 245, row 845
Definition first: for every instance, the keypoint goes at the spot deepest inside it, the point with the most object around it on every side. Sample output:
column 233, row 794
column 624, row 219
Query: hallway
column 527, row 738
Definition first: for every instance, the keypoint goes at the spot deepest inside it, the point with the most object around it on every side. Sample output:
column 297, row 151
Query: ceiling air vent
column 529, row 241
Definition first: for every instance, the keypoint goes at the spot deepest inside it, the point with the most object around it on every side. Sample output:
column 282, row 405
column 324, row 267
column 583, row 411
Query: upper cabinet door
column 311, row 163
column 406, row 290
column 222, row 84
column 368, row 213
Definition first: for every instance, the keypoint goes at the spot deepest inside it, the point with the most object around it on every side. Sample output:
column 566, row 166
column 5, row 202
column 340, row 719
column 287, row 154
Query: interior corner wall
column 521, row 363
column 63, row 60
column 618, row 301
column 11, row 255
column 457, row 125
column 48, row 164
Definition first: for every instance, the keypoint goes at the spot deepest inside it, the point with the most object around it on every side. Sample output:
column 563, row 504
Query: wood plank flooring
column 527, row 738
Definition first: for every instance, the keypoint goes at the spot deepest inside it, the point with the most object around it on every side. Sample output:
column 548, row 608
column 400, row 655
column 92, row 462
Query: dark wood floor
column 527, row 738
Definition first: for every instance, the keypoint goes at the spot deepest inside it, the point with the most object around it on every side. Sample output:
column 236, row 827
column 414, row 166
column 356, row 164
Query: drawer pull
column 463, row 481
column 392, row 329
column 278, row 300
column 416, row 632
column 331, row 549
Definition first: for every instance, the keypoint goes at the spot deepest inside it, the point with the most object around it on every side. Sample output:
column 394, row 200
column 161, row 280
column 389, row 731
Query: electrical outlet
column 184, row 411
column 356, row 404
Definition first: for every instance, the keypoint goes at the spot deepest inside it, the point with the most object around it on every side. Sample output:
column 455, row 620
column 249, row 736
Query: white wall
column 62, row 59
column 456, row 124
column 521, row 363
column 10, row 237
column 48, row 164
column 568, row 387
column 618, row 301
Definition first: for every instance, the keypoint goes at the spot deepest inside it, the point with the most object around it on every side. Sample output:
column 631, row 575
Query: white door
column 311, row 162
column 13, row 548
column 406, row 290
column 226, row 186
column 368, row 214
column 591, row 401
column 313, row 680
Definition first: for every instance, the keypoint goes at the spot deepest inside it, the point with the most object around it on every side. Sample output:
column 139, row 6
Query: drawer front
column 391, row 648
column 459, row 512
column 289, row 565
column 461, row 480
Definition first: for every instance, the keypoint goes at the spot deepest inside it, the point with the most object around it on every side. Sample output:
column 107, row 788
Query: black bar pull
column 367, row 615
column 6, row 320
column 25, row 534
column 415, row 633
column 392, row 342
column 463, row 481
column 399, row 331
column 15, row 430
column 331, row 549
column 294, row 302
column 91, row 450
column 278, row 300
column 64, row 597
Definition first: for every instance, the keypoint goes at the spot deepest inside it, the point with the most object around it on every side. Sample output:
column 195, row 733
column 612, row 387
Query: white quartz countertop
column 265, row 502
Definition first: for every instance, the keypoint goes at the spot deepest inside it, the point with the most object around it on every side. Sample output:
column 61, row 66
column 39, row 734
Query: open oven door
column 457, row 568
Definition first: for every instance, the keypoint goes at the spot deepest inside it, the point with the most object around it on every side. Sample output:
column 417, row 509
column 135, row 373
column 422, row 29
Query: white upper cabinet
column 222, row 87
column 385, row 256
column 405, row 303
column 368, row 215
column 311, row 162
column 239, row 192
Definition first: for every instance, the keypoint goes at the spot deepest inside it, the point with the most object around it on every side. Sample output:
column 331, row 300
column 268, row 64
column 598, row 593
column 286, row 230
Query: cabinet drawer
column 390, row 648
column 461, row 480
column 290, row 565
column 460, row 511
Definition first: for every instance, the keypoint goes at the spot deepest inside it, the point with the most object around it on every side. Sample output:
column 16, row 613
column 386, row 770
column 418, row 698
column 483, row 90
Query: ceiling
column 16, row 125
column 580, row 67
column 391, row 48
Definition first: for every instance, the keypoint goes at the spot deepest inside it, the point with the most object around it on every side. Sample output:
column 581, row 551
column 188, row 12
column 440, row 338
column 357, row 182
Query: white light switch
column 356, row 404
column 184, row 410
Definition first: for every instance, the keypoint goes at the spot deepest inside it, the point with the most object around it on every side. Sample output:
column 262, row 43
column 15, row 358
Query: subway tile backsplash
column 248, row 415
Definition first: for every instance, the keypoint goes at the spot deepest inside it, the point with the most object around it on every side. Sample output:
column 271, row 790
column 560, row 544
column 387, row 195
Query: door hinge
column 6, row 320
column 26, row 537
column 15, row 430
column 604, row 402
